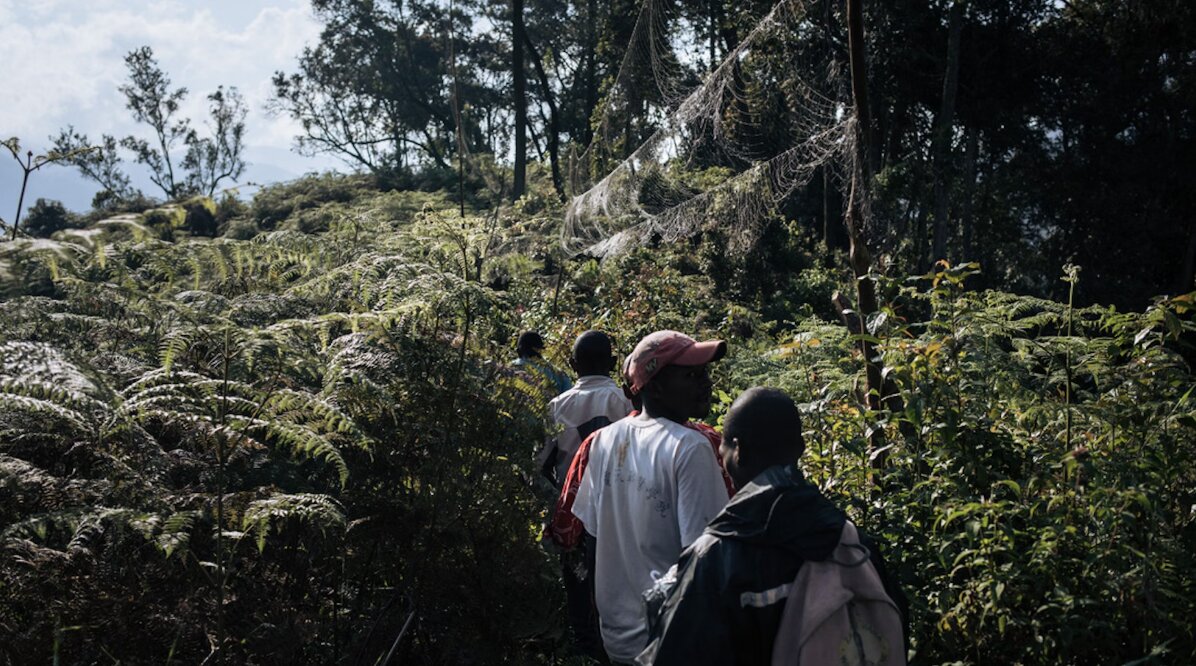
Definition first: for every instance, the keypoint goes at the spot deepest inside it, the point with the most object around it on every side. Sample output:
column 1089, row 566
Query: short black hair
column 766, row 420
column 592, row 348
column 529, row 343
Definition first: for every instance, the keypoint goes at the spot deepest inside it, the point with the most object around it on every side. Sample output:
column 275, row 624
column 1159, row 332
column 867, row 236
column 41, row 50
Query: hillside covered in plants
column 283, row 426
column 300, row 441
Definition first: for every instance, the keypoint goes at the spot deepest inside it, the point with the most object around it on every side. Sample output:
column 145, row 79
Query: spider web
column 651, row 193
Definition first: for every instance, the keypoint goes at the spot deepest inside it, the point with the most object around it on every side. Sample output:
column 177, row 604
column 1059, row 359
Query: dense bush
column 276, row 203
column 200, row 217
column 46, row 217
column 304, row 447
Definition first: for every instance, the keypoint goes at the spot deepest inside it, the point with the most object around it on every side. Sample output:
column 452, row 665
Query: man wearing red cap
column 651, row 484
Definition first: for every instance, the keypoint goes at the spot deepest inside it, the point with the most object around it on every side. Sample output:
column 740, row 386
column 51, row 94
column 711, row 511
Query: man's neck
column 657, row 413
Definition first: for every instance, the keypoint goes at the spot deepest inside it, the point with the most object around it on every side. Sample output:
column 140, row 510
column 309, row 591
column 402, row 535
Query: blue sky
column 62, row 60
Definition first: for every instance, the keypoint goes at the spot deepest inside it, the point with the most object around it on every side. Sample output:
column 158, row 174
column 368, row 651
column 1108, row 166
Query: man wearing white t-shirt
column 651, row 485
column 593, row 402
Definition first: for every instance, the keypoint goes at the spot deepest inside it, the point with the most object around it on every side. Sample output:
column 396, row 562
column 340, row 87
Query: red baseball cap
column 663, row 348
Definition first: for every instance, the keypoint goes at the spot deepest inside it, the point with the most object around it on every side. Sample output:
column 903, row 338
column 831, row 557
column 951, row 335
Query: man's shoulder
column 587, row 390
column 705, row 545
column 563, row 398
column 618, row 429
column 693, row 434
column 606, row 436
column 704, row 561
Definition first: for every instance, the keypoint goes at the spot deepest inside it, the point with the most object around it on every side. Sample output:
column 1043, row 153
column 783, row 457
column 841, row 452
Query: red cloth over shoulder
column 564, row 528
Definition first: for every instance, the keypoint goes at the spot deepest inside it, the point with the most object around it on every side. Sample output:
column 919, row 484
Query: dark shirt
column 732, row 582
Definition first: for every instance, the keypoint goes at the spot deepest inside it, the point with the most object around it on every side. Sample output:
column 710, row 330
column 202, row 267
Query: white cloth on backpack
column 839, row 613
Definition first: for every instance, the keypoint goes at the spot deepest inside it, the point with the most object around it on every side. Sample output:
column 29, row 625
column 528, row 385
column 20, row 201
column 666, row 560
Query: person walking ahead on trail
column 651, row 483
column 732, row 584
column 563, row 528
column 530, row 348
column 593, row 402
column 577, row 548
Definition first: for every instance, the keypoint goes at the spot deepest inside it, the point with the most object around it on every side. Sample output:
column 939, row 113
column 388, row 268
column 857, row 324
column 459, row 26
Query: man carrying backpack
column 737, row 589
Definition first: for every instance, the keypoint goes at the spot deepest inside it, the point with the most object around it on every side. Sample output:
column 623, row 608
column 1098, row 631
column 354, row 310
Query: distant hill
column 266, row 165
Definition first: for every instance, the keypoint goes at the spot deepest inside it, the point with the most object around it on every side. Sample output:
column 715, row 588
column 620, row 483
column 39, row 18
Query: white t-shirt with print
column 649, row 490
column 592, row 396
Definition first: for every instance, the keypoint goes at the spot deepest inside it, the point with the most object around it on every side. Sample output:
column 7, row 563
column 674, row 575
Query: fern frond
column 41, row 400
column 299, row 440
column 319, row 512
column 40, row 362
column 174, row 344
column 312, row 410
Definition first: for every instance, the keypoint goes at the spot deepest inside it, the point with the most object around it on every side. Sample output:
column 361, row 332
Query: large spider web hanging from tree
column 652, row 193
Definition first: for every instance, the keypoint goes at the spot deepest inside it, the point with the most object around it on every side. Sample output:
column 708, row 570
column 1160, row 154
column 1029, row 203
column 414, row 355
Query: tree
column 519, row 77
column 210, row 160
column 944, row 124
column 31, row 164
column 373, row 91
column 102, row 165
column 149, row 96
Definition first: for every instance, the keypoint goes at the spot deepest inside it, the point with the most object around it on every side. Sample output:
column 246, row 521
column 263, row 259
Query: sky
column 61, row 62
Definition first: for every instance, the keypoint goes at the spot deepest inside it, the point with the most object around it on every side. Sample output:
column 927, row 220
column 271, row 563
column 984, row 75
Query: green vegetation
column 303, row 445
column 285, row 430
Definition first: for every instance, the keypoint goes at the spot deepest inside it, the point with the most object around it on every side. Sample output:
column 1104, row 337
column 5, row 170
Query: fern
column 314, row 512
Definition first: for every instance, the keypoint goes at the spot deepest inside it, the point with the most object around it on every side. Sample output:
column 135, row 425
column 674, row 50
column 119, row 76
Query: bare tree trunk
column 519, row 77
column 943, row 130
column 457, row 118
column 859, row 84
column 554, row 124
column 590, row 70
column 967, row 216
column 858, row 252
column 920, row 264
column 826, row 218
column 16, row 222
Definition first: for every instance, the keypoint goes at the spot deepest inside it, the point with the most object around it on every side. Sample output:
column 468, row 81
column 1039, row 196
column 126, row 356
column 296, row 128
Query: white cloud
column 65, row 59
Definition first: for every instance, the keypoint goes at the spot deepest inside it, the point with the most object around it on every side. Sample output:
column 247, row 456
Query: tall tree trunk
column 16, row 222
column 944, row 124
column 457, row 117
column 859, row 86
column 590, row 71
column 828, row 257
column 858, row 252
column 920, row 247
column 967, row 217
column 519, row 77
column 554, row 123
column 712, row 36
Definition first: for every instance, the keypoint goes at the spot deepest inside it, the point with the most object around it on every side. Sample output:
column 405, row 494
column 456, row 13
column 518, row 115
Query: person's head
column 762, row 429
column 669, row 370
column 529, row 345
column 592, row 355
